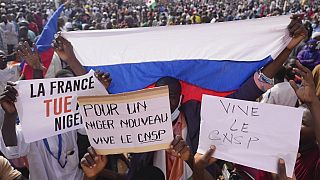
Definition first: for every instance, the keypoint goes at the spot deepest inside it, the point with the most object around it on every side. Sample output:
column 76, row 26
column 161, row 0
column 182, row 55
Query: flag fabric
column 44, row 43
column 208, row 58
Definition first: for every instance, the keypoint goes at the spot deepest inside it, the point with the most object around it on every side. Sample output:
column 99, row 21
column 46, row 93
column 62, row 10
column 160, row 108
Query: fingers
column 104, row 78
column 282, row 169
column 302, row 68
column 181, row 147
column 61, row 39
column 22, row 50
column 305, row 73
column 27, row 48
column 175, row 141
column 102, row 75
column 84, row 162
column 9, row 93
column 294, row 85
column 296, row 27
column 10, row 83
column 293, row 22
column 93, row 153
column 36, row 52
column 21, row 56
column 8, row 96
column 207, row 157
column 90, row 160
column 297, row 16
column 57, row 45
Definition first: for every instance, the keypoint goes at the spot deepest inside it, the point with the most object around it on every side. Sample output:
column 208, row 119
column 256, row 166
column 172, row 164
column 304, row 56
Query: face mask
column 176, row 112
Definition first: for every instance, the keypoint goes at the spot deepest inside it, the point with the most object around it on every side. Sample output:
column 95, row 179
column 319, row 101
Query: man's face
column 9, row 17
column 4, row 18
column 174, row 98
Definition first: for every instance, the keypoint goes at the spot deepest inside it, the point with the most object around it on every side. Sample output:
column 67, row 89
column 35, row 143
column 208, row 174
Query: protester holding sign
column 51, row 158
column 250, row 90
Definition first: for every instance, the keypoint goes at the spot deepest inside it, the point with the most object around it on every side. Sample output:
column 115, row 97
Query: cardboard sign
column 250, row 133
column 137, row 121
column 48, row 107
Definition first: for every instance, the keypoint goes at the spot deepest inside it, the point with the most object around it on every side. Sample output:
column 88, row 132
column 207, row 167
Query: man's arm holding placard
column 7, row 99
column 282, row 175
column 12, row 140
column 93, row 166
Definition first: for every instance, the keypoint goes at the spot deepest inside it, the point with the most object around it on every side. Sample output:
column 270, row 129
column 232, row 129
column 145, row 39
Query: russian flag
column 208, row 58
column 44, row 43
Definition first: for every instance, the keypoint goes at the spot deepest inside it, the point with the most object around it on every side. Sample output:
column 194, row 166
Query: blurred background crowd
column 24, row 20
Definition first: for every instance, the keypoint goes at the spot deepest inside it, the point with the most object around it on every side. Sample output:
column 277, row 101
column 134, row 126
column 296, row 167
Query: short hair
column 172, row 83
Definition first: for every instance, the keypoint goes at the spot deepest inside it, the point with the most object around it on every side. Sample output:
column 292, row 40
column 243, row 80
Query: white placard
column 137, row 121
column 48, row 107
column 250, row 133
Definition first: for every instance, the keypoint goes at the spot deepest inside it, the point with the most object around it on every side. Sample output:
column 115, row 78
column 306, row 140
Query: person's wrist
column 289, row 48
column 38, row 67
column 191, row 161
column 71, row 59
column 315, row 102
column 198, row 163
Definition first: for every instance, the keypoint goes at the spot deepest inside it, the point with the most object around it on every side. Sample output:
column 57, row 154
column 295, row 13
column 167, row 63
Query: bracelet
column 264, row 78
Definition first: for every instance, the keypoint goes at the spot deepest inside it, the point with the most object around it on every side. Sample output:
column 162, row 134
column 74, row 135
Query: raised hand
column 8, row 97
column 282, row 175
column 104, row 78
column 63, row 48
column 297, row 31
column 306, row 93
column 31, row 57
column 204, row 160
column 92, row 164
column 180, row 148
column 67, row 2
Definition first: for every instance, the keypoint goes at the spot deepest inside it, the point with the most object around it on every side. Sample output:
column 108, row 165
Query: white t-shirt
column 42, row 165
column 54, row 67
column 11, row 73
column 281, row 94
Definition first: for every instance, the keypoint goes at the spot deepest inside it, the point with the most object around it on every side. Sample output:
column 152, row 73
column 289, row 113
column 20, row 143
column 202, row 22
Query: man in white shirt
column 11, row 35
column 7, row 73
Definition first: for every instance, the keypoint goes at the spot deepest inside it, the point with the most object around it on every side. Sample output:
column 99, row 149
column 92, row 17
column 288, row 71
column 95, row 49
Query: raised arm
column 254, row 87
column 65, row 51
column 307, row 94
column 32, row 58
column 7, row 99
column 298, row 33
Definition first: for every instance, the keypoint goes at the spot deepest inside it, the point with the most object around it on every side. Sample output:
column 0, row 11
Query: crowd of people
column 23, row 21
